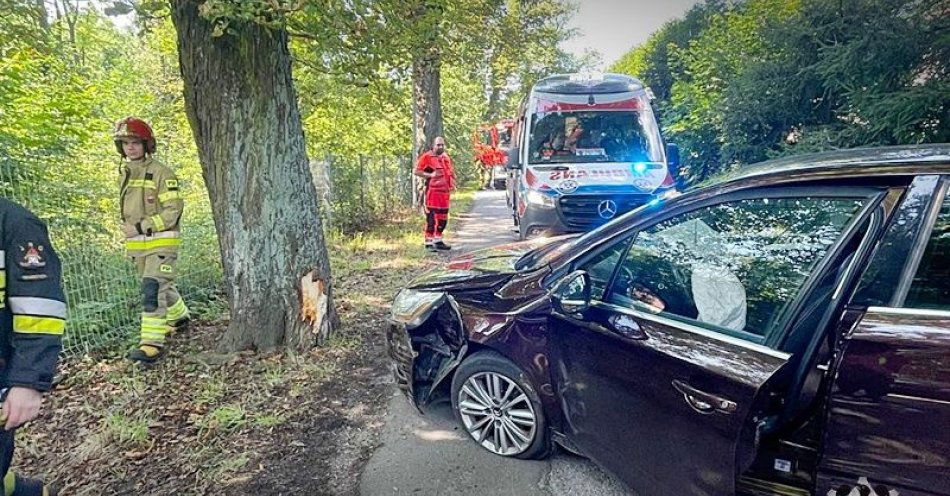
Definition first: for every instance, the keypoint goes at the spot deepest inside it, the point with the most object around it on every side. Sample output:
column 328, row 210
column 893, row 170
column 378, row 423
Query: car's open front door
column 669, row 407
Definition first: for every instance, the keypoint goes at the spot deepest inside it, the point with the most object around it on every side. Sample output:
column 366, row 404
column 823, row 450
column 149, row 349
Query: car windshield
column 556, row 250
column 594, row 136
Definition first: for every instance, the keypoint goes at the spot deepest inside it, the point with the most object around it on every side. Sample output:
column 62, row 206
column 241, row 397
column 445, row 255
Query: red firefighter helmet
column 132, row 127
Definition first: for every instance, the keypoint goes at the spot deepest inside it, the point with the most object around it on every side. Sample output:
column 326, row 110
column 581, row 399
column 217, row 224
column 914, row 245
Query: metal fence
column 357, row 192
column 80, row 207
column 79, row 203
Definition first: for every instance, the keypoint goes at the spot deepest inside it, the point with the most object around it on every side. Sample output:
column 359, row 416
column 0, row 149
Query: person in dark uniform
column 32, row 321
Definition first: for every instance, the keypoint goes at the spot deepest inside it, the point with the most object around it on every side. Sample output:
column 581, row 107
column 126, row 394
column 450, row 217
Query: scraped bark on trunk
column 242, row 106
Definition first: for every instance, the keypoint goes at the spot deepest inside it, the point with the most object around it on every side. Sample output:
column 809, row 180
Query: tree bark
column 427, row 98
column 42, row 16
column 242, row 107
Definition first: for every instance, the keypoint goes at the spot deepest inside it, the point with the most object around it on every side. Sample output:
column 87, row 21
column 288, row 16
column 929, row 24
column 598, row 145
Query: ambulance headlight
column 540, row 199
column 412, row 307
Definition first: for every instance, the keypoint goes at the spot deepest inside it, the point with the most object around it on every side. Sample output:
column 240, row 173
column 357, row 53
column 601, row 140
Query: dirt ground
column 202, row 422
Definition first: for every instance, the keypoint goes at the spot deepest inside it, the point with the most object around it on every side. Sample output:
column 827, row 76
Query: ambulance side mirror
column 514, row 155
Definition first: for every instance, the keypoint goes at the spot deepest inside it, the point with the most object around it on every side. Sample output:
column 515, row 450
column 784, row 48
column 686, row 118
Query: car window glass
column 931, row 286
column 601, row 267
column 732, row 267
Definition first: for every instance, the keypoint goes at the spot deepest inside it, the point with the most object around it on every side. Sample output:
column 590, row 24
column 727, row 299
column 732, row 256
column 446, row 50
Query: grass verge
column 202, row 422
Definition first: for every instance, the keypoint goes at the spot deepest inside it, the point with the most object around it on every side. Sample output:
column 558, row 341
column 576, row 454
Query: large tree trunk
column 427, row 99
column 42, row 16
column 241, row 104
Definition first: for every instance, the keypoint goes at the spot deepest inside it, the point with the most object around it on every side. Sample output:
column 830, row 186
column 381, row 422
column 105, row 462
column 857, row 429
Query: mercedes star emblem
column 568, row 186
column 607, row 209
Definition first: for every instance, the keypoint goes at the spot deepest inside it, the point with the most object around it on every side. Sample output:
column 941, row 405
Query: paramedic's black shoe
column 442, row 246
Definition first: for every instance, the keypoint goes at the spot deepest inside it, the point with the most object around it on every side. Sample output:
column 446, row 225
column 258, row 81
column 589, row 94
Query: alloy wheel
column 497, row 413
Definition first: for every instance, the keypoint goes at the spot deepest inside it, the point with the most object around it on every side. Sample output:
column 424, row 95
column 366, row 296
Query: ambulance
column 585, row 149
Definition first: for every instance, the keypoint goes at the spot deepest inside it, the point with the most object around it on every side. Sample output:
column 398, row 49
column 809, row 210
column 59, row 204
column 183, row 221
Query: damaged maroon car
column 784, row 330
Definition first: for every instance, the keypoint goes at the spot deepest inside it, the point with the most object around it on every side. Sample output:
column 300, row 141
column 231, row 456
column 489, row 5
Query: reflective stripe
column 141, row 183
column 158, row 235
column 3, row 259
column 168, row 195
column 25, row 324
column 150, row 245
column 33, row 305
column 177, row 311
column 153, row 329
column 158, row 223
column 3, row 278
column 157, row 240
column 9, row 483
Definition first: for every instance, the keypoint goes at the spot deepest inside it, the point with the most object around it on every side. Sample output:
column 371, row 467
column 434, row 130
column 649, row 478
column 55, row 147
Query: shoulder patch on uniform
column 31, row 256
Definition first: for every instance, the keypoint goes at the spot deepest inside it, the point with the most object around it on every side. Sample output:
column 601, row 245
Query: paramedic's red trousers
column 437, row 215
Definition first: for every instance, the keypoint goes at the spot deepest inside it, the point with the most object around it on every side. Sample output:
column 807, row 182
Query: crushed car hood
column 482, row 268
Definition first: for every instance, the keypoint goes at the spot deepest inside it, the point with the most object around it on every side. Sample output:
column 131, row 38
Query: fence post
column 328, row 197
column 362, row 199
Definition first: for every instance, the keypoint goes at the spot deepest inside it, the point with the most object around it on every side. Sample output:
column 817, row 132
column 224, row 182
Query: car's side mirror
column 513, row 158
column 572, row 294
column 673, row 159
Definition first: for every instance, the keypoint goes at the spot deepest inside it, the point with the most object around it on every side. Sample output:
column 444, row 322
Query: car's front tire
column 497, row 406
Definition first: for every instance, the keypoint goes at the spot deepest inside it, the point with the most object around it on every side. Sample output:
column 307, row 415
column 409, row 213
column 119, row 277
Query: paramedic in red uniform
column 435, row 167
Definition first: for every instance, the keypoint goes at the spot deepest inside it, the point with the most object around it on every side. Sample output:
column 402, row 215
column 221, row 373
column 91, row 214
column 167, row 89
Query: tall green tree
column 242, row 106
column 739, row 83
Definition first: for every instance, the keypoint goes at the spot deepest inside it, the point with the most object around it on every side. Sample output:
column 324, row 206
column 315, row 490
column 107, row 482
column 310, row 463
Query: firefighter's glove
column 21, row 406
column 147, row 226
column 128, row 230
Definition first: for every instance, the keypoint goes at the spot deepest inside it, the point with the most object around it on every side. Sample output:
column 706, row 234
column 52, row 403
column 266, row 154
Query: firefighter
column 435, row 167
column 150, row 205
column 32, row 320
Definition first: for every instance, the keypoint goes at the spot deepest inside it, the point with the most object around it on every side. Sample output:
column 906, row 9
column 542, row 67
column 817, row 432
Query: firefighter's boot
column 146, row 353
column 17, row 485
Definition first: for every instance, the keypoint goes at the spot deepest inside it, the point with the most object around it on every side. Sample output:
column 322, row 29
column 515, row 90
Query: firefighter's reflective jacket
column 151, row 207
column 32, row 303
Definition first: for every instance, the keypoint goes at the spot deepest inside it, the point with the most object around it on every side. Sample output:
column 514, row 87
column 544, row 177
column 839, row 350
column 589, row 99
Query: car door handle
column 702, row 401
column 626, row 326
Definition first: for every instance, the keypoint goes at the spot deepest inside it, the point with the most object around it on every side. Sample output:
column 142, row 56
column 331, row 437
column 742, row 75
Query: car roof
column 857, row 162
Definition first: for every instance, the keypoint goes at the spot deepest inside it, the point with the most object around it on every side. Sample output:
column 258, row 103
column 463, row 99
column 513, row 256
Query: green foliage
column 62, row 85
column 67, row 75
column 740, row 83
column 226, row 417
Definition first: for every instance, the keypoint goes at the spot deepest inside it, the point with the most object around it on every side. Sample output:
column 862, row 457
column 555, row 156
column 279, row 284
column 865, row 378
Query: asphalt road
column 430, row 455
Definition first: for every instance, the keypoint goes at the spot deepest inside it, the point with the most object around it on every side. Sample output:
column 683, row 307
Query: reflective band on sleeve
column 25, row 324
column 142, row 183
column 168, row 195
column 158, row 223
column 3, row 278
column 33, row 305
column 3, row 259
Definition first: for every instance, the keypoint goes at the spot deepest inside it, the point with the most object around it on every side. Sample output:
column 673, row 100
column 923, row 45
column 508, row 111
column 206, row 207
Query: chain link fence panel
column 80, row 207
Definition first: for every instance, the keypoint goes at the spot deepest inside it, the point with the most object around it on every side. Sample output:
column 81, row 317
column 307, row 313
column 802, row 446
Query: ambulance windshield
column 592, row 136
